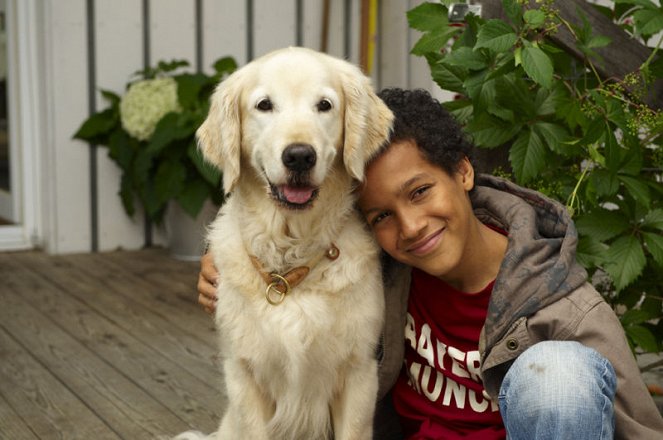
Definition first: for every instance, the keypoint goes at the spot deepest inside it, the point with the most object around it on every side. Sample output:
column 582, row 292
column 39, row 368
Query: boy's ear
column 466, row 170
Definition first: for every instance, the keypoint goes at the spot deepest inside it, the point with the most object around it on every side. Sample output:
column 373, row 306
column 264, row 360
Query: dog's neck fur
column 282, row 238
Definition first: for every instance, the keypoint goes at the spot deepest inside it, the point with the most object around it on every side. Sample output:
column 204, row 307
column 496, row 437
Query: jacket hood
column 539, row 266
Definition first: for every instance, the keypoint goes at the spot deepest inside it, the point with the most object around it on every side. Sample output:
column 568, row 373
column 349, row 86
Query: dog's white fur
column 304, row 369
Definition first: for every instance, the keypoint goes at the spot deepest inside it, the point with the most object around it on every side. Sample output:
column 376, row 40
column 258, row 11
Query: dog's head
column 288, row 115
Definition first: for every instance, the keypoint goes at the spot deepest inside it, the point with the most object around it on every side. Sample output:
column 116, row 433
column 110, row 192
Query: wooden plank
column 393, row 48
column 175, row 368
column 106, row 391
column 38, row 398
column 344, row 28
column 224, row 31
column 151, row 281
column 68, row 195
column 118, row 376
column 116, row 61
column 273, row 25
column 168, row 288
column 12, row 425
column 312, row 23
column 172, row 36
column 172, row 30
column 187, row 338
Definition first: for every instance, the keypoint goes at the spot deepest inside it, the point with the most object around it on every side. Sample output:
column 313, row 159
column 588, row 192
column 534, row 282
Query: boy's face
column 420, row 215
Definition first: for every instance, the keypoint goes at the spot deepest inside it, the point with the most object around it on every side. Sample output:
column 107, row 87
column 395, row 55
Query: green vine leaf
column 602, row 224
column 428, row 17
column 513, row 10
column 461, row 109
column 638, row 189
column 527, row 155
column 654, row 243
column 535, row 18
column 449, row 77
column 554, row 135
column 634, row 316
column 642, row 337
column 653, row 219
column 590, row 252
column 648, row 21
column 467, row 58
column 537, row 65
column 488, row 131
column 482, row 92
column 433, row 42
column 496, row 36
column 548, row 100
column 613, row 152
column 604, row 182
column 627, row 260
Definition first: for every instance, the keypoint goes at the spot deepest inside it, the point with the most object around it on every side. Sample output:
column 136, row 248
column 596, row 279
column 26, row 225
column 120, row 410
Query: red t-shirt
column 439, row 394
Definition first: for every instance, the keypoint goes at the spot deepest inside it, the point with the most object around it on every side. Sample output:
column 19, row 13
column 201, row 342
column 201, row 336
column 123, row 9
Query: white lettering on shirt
column 428, row 381
column 425, row 347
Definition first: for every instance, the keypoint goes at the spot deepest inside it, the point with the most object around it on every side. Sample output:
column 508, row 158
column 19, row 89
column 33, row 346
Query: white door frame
column 25, row 125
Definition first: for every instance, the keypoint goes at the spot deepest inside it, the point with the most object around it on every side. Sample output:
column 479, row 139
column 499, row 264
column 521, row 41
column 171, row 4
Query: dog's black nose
column 299, row 157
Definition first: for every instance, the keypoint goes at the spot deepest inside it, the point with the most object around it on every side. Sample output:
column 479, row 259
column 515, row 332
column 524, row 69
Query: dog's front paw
column 195, row 435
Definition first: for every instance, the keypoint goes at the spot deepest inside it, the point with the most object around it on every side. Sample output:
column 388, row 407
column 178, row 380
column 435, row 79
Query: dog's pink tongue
column 297, row 195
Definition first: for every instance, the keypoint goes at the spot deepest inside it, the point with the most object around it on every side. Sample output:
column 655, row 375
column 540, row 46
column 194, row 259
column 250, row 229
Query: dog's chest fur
column 298, row 350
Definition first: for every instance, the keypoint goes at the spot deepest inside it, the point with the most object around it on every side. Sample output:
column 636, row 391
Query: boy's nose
column 410, row 226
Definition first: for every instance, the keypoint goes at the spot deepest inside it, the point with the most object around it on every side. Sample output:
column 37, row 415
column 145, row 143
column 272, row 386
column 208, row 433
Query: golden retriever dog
column 301, row 306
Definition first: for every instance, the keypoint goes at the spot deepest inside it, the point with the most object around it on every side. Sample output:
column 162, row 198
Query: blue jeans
column 559, row 390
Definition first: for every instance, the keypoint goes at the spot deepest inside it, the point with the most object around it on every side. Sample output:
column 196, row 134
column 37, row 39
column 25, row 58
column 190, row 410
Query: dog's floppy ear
column 219, row 136
column 368, row 120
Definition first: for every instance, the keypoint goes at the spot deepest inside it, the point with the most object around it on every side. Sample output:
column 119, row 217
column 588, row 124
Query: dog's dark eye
column 265, row 105
column 324, row 105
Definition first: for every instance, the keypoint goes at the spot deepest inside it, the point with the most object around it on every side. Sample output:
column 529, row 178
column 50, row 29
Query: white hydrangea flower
column 145, row 103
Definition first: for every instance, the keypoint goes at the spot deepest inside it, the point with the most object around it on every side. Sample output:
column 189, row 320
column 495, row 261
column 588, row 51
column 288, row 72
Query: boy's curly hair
column 421, row 118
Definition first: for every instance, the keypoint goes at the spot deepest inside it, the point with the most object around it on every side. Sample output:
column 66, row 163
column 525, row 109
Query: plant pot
column 186, row 235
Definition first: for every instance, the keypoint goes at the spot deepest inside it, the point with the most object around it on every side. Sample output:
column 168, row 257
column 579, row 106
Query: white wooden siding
column 68, row 201
column 119, row 51
column 224, row 31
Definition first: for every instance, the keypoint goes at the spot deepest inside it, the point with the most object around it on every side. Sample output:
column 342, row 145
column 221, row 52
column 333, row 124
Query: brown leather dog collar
column 279, row 285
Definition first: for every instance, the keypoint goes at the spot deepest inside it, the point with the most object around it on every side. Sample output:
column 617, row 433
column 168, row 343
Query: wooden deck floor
column 104, row 346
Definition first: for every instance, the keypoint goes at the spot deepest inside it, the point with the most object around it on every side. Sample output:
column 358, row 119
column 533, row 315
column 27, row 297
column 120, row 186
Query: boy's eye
column 378, row 218
column 418, row 192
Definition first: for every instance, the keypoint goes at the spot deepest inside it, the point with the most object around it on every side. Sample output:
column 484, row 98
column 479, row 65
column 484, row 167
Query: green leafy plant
column 588, row 141
column 150, row 135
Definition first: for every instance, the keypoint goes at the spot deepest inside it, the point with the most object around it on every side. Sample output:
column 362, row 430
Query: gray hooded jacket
column 541, row 293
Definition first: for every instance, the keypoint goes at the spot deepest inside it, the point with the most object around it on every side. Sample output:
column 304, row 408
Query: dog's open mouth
column 294, row 196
